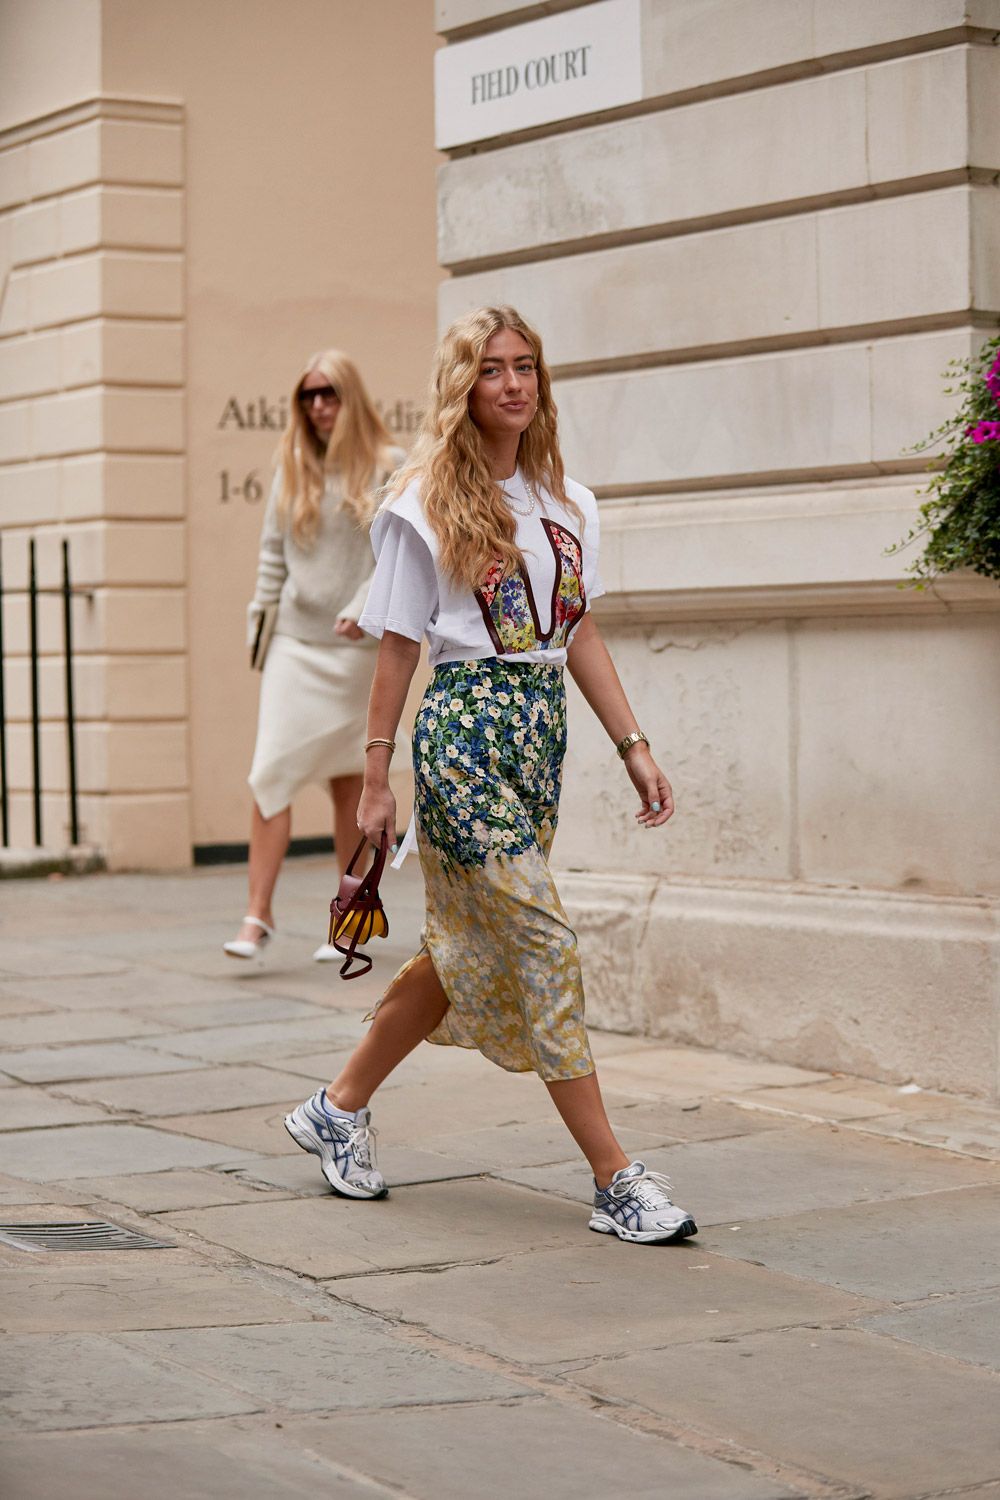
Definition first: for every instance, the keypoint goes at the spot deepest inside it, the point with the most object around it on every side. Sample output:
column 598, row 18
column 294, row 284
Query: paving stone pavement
column 832, row 1333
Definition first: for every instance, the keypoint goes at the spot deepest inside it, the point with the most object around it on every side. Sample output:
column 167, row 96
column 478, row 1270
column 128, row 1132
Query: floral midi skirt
column 488, row 747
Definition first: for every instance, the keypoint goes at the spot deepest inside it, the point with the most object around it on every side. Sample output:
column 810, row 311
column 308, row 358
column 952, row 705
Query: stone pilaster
column 91, row 449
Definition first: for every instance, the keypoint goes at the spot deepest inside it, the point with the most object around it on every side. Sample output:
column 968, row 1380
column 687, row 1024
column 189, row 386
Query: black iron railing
column 32, row 594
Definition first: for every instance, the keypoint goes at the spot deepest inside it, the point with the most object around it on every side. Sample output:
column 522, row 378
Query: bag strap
column 365, row 901
column 374, row 875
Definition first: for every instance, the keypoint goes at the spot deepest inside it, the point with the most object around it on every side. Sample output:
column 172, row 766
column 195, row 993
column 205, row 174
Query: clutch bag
column 267, row 618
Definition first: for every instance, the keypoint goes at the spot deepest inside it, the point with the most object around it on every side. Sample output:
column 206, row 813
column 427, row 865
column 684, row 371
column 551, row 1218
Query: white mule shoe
column 244, row 947
column 326, row 953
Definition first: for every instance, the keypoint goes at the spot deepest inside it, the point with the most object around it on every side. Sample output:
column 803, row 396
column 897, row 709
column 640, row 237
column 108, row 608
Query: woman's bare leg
column 413, row 1006
column 268, row 846
column 346, row 794
column 579, row 1102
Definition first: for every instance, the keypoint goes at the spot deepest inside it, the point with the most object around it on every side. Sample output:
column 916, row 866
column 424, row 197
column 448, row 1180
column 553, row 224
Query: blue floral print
column 488, row 746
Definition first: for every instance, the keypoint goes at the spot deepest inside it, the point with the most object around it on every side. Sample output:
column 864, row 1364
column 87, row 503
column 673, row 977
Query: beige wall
column 309, row 206
column 749, row 283
column 228, row 186
column 50, row 56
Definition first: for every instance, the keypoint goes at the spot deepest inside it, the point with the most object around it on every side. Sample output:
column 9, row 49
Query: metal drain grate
column 92, row 1234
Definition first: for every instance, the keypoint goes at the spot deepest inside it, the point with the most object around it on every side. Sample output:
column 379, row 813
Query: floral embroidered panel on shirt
column 508, row 603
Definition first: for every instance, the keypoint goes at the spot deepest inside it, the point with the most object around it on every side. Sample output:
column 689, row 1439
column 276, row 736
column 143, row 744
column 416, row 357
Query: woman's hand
column 377, row 814
column 350, row 628
column 654, row 789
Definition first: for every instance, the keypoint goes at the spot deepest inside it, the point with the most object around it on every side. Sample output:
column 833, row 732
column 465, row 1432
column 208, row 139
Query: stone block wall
column 92, row 449
column 749, row 282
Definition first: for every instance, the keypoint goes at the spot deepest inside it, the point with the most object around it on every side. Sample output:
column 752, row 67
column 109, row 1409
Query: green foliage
column 960, row 519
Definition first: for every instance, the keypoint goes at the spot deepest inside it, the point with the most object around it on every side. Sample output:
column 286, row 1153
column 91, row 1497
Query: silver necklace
column 532, row 500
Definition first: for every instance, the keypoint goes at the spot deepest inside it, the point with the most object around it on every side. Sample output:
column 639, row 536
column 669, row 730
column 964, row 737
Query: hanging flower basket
column 960, row 519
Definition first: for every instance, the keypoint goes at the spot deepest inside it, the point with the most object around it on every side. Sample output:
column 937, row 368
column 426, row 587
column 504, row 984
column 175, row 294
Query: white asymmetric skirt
column 312, row 717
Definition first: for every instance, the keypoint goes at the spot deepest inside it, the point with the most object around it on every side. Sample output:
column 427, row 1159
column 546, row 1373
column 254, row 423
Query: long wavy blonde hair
column 462, row 501
column 357, row 451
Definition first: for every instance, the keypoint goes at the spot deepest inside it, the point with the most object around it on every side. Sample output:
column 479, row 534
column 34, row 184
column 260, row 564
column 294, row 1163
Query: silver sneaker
column 346, row 1147
column 636, row 1205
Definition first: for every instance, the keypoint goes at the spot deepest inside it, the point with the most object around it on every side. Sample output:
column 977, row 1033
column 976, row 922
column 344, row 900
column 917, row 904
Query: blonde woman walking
column 491, row 552
column 313, row 574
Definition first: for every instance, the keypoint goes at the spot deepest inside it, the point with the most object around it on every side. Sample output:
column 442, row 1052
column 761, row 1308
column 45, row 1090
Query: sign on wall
column 266, row 414
column 574, row 63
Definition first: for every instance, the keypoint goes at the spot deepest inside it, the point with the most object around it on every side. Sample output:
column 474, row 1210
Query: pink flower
column 992, row 379
column 984, row 432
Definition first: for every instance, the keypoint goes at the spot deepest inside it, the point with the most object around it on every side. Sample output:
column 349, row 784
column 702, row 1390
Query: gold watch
column 635, row 738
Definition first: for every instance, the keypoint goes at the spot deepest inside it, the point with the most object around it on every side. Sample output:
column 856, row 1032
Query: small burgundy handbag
column 357, row 913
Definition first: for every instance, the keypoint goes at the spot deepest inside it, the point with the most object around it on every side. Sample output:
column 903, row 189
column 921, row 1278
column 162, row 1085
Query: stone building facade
column 751, row 258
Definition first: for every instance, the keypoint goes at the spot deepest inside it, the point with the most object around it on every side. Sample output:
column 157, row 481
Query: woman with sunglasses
column 487, row 548
column 315, row 567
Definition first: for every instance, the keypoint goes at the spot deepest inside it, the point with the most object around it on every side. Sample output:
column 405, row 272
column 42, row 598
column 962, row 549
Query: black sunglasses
column 324, row 392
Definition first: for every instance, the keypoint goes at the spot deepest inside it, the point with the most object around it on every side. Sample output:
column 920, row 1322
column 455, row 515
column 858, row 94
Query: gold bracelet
column 389, row 744
column 635, row 738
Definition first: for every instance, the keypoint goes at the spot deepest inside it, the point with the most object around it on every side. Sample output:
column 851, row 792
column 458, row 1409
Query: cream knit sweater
column 315, row 586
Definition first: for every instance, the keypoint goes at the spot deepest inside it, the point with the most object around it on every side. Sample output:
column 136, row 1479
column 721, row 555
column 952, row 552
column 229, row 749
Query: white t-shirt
column 527, row 617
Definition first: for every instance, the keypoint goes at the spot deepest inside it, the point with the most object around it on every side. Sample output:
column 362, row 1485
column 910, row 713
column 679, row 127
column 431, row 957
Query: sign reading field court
column 575, row 63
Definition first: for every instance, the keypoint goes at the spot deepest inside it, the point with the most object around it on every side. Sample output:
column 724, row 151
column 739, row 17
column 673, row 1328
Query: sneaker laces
column 652, row 1190
column 361, row 1140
